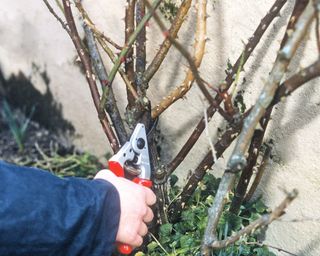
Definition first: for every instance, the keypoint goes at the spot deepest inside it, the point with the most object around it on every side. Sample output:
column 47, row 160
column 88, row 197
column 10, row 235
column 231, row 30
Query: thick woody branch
column 140, row 47
column 165, row 46
column 85, row 60
column 259, row 175
column 250, row 46
column 261, row 222
column 223, row 143
column 199, row 47
column 246, row 174
column 298, row 9
column 128, row 59
column 226, row 139
column 111, row 106
column 258, row 136
column 125, row 50
column 237, row 160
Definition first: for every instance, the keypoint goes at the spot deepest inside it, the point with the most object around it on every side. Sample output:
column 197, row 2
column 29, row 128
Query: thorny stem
column 101, row 72
column 258, row 136
column 271, row 246
column 200, row 81
column 220, row 146
column 63, row 24
column 121, row 71
column 243, row 183
column 94, row 29
column 258, row 176
column 237, row 160
column 264, row 220
column 85, row 59
column 140, row 47
column 199, row 47
column 298, row 9
column 105, row 47
column 128, row 59
column 165, row 46
column 250, row 46
column 284, row 90
column 125, row 50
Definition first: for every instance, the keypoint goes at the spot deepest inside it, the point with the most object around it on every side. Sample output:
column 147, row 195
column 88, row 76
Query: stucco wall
column 29, row 34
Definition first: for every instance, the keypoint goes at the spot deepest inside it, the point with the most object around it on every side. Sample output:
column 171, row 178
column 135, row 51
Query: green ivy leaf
column 152, row 246
column 165, row 230
column 260, row 206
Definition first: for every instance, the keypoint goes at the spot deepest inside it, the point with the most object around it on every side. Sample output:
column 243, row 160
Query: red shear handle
column 116, row 168
column 124, row 248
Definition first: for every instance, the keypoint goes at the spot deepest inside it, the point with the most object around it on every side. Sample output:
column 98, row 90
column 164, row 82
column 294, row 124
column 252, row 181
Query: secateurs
column 132, row 160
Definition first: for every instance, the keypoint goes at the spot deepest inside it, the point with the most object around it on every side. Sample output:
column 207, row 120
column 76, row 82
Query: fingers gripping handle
column 118, row 170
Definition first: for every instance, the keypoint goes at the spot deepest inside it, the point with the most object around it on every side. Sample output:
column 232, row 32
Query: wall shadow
column 21, row 93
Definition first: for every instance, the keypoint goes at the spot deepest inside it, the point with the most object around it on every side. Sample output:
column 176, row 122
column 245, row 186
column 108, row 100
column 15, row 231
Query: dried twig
column 237, row 160
column 199, row 47
column 262, row 221
column 123, row 75
column 298, row 9
column 317, row 32
column 106, row 48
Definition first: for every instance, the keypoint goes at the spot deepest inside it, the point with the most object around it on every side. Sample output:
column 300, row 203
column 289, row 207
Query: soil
column 37, row 140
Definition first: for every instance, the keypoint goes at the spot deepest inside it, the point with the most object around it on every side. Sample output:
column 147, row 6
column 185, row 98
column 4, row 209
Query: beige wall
column 30, row 34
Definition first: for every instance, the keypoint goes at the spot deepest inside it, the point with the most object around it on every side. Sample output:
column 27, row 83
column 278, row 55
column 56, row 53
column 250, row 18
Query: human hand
column 135, row 211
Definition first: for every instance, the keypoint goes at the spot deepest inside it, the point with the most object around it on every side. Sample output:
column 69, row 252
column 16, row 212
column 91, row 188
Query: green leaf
column 166, row 229
column 186, row 241
column 173, row 180
column 152, row 246
column 260, row 207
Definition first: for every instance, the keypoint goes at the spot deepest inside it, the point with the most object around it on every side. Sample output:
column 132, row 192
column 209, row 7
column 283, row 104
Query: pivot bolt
column 141, row 143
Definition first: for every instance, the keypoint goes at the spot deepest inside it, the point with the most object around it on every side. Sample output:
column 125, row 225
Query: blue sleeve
column 41, row 214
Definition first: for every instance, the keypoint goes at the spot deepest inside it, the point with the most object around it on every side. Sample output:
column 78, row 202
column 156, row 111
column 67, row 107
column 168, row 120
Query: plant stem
column 125, row 50
column 250, row 46
column 85, row 59
column 264, row 220
column 199, row 48
column 128, row 59
column 140, row 47
column 165, row 46
column 237, row 160
column 111, row 106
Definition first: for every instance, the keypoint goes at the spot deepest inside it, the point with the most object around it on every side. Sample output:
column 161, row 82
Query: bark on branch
column 199, row 47
column 237, row 160
column 85, row 60
column 261, row 222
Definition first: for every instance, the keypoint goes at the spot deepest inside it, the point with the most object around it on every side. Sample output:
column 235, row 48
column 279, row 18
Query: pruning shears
column 132, row 161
